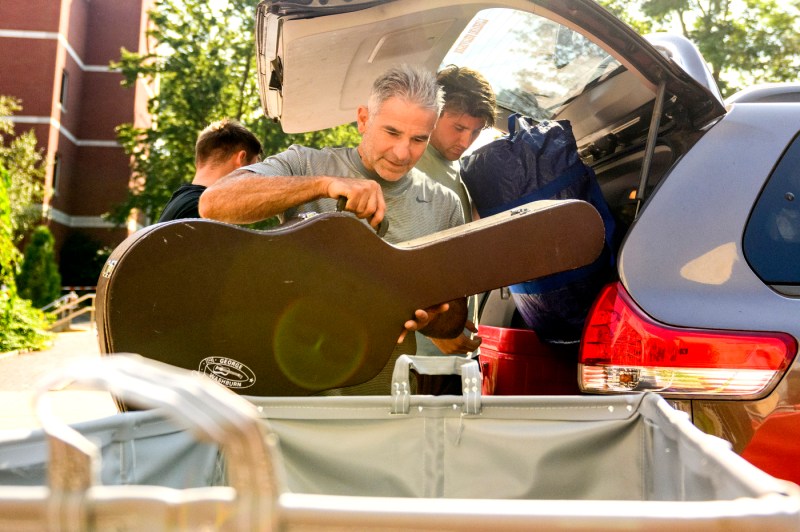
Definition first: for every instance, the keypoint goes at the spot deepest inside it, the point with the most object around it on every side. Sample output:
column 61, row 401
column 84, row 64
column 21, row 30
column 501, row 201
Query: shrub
column 39, row 279
column 21, row 325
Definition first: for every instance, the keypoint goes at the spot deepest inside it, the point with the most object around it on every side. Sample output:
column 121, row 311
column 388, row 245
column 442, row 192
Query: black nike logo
column 422, row 200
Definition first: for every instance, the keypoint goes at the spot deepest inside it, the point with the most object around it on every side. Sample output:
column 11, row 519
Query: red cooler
column 516, row 362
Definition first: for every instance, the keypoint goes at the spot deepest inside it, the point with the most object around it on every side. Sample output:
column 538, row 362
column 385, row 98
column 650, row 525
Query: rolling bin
column 396, row 462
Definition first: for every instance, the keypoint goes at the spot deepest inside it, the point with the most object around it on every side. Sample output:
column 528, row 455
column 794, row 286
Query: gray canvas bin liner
column 584, row 448
column 136, row 448
column 622, row 447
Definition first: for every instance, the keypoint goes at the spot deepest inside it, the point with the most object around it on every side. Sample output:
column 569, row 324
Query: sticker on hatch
column 227, row 372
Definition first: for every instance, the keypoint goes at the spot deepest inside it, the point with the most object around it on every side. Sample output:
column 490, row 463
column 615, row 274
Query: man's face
column 393, row 140
column 454, row 133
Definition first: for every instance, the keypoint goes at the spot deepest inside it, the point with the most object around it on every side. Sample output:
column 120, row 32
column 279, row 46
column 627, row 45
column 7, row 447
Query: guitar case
column 318, row 303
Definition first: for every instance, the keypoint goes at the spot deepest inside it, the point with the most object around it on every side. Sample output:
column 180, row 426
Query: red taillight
column 623, row 349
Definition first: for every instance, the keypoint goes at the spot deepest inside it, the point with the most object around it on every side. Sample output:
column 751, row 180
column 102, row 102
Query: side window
column 772, row 236
column 62, row 98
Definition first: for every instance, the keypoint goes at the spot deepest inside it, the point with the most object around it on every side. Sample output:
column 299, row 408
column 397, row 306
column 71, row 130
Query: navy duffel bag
column 539, row 162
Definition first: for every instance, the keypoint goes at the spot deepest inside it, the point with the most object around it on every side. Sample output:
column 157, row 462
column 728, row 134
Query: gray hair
column 411, row 83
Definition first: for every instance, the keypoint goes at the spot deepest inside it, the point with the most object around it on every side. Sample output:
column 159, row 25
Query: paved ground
column 20, row 373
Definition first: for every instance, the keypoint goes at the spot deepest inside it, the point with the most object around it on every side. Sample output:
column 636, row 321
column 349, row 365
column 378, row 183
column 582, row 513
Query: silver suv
column 706, row 309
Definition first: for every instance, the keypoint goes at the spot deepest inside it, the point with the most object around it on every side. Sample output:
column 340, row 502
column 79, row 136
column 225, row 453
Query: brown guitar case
column 319, row 303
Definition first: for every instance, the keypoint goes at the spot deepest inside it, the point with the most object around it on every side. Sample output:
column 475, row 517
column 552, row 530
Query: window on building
column 62, row 99
column 56, row 173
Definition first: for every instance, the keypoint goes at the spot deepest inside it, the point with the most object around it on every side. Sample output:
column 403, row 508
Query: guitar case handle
column 382, row 228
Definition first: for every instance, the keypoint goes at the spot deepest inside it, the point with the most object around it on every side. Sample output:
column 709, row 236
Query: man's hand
column 460, row 345
column 364, row 197
column 449, row 323
column 439, row 321
column 422, row 318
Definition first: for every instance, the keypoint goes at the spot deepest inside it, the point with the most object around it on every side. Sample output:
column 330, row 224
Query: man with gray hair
column 378, row 180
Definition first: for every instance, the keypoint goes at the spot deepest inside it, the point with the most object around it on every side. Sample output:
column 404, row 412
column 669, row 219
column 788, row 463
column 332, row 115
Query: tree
column 21, row 325
column 38, row 279
column 627, row 11
column 744, row 41
column 25, row 164
column 204, row 65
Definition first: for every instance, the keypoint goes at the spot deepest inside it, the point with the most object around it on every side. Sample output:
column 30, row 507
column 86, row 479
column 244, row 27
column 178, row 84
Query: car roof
column 767, row 93
column 317, row 59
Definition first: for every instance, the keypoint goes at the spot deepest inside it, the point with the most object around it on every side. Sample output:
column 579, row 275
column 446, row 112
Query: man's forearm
column 448, row 324
column 244, row 197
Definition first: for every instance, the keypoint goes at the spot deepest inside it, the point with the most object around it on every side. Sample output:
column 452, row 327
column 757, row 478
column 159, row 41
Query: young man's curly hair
column 467, row 91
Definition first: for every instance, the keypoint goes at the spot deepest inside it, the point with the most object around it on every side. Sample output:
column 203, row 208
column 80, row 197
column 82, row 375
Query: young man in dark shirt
column 221, row 148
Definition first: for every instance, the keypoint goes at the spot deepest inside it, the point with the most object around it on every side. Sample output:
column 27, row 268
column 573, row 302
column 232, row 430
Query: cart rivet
column 610, row 408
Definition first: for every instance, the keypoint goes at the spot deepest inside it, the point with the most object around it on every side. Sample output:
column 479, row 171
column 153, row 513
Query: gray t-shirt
column 415, row 205
column 446, row 173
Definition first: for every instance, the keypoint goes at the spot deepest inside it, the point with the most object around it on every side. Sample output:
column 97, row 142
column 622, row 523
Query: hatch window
column 772, row 235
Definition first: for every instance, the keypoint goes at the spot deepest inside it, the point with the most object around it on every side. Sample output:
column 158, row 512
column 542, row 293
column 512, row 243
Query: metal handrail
column 63, row 300
column 67, row 311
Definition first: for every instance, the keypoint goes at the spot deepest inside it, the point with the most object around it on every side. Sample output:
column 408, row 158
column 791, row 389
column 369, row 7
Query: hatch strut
column 650, row 148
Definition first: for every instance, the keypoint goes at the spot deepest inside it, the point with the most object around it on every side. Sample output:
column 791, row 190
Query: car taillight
column 623, row 349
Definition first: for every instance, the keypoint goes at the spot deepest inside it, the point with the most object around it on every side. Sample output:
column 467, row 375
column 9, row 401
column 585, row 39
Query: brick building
column 54, row 57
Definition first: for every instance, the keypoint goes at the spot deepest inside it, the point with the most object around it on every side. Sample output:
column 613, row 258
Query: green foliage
column 204, row 64
column 744, row 41
column 9, row 254
column 624, row 11
column 25, row 164
column 21, row 325
column 38, row 279
column 346, row 135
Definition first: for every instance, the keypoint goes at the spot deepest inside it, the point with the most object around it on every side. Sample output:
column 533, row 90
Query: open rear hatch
column 547, row 59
